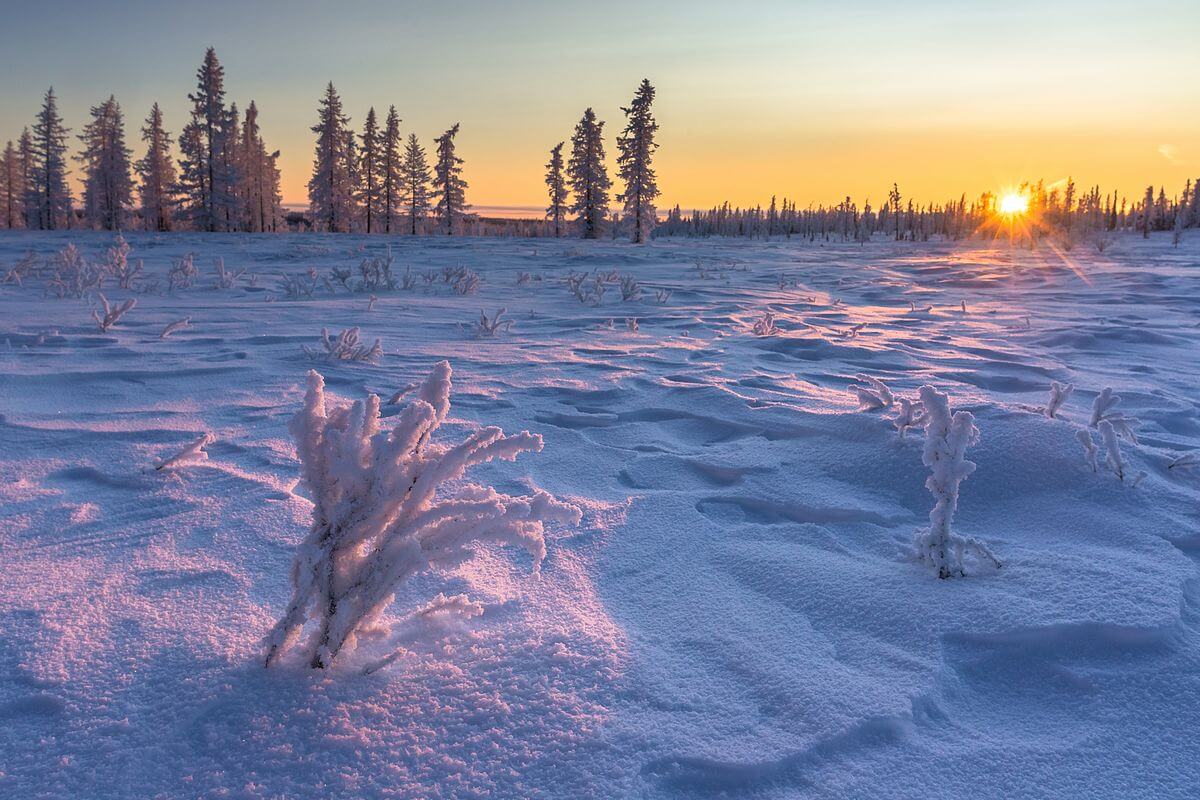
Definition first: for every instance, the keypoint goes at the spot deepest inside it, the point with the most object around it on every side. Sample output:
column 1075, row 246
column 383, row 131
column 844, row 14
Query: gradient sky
column 805, row 99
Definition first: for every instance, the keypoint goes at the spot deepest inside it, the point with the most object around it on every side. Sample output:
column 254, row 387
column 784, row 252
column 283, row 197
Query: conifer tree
column 156, row 174
column 449, row 188
column 26, row 190
column 206, row 171
column 12, row 187
column 331, row 188
column 48, row 198
column 556, row 183
column 259, row 178
column 588, row 176
column 370, row 169
column 108, row 185
column 414, row 187
column 390, row 170
column 636, row 148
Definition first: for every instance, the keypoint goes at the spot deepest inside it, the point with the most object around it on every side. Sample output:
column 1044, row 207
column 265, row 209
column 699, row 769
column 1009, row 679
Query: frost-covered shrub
column 489, row 326
column 765, row 325
column 73, row 275
column 297, row 287
column 630, row 289
column 192, row 454
column 946, row 441
column 346, row 346
column 388, row 504
column 116, row 263
column 225, row 278
column 911, row 415
column 631, row 324
column 662, row 296
column 1059, row 392
column 1112, row 448
column 112, row 314
column 874, row 396
column 183, row 273
column 1103, row 411
column 1090, row 450
column 376, row 273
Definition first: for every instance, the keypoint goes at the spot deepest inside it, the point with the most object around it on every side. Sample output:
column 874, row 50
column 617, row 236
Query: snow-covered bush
column 183, row 273
column 946, row 441
column 489, row 326
column 25, row 268
column 296, row 287
column 116, row 263
column 630, row 289
column 346, row 346
column 112, row 314
column 631, row 324
column 911, row 415
column 874, row 396
column 662, row 296
column 1103, row 411
column 1112, row 448
column 1059, row 392
column 1090, row 450
column 388, row 504
column 73, row 275
column 765, row 325
column 225, row 278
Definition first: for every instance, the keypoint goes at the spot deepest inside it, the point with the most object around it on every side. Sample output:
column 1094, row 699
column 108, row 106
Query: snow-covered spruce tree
column 370, row 169
column 946, row 441
column 449, row 188
column 388, row 504
column 107, row 183
column 556, row 184
column 156, row 174
column 636, row 148
column 207, row 195
column 588, row 175
column 48, row 197
column 390, row 171
column 414, row 180
column 12, row 188
column 258, row 179
column 29, row 209
column 331, row 187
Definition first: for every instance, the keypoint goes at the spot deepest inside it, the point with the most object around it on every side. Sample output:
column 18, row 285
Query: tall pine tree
column 636, row 148
column 449, row 188
column 414, row 188
column 370, row 169
column 206, row 169
column 48, row 198
column 588, row 175
column 12, row 188
column 156, row 175
column 107, row 183
column 556, row 184
column 390, row 170
column 331, row 187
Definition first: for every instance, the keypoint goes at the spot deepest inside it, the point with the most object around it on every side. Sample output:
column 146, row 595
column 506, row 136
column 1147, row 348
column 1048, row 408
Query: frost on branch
column 946, row 441
column 174, row 327
column 191, row 454
column 1059, row 393
column 1112, row 448
column 875, row 396
column 1089, row 448
column 388, row 504
column 911, row 415
column 111, row 313
column 488, row 326
column 1103, row 410
column 346, row 346
column 765, row 325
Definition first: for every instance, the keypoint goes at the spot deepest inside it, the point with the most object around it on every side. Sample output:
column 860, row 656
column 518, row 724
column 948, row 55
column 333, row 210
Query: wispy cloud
column 1171, row 153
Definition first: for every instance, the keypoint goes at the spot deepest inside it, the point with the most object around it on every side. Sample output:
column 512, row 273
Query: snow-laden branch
column 765, row 325
column 946, row 441
column 346, row 346
column 1090, row 451
column 1059, row 392
column 112, row 314
column 874, row 396
column 174, row 327
column 911, row 415
column 1112, row 448
column 192, row 454
column 388, row 504
column 1103, row 411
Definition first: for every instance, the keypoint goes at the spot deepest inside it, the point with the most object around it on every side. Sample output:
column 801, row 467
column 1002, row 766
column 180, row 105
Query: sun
column 1014, row 204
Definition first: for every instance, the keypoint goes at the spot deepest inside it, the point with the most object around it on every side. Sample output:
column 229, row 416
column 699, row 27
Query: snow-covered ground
column 738, row 613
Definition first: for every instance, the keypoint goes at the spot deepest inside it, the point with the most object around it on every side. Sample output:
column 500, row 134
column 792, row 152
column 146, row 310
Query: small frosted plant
column 297, row 287
column 175, row 327
column 225, row 278
column 630, row 289
column 946, row 441
column 192, row 454
column 112, row 314
column 346, row 346
column 1103, row 410
column 489, row 326
column 874, row 396
column 1059, row 392
column 662, row 296
column 765, row 325
column 1090, row 451
column 911, row 415
column 183, row 273
column 631, row 324
column 388, row 504
column 1112, row 448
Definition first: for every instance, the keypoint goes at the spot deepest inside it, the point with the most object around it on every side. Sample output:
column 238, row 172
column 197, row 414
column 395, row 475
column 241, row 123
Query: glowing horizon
column 787, row 99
